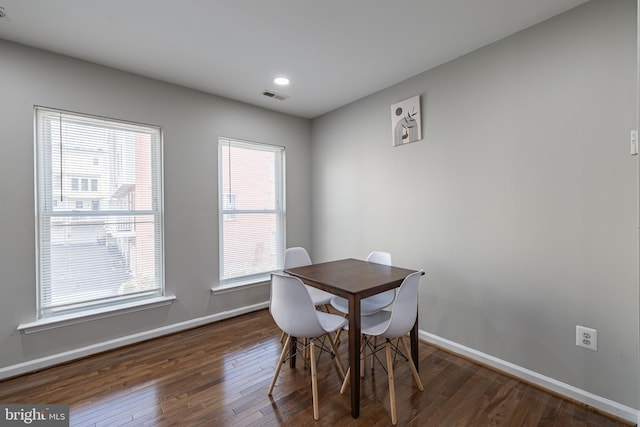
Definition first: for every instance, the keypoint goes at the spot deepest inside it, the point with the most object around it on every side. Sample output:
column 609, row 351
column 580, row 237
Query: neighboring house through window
column 95, row 247
column 252, row 212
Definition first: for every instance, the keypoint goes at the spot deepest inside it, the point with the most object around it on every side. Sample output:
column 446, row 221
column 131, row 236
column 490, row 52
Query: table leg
column 292, row 352
column 354, row 354
column 413, row 337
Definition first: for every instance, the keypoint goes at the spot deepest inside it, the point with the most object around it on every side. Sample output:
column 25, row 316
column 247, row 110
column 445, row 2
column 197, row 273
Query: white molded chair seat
column 368, row 306
column 318, row 296
column 299, row 257
column 394, row 324
column 373, row 303
column 330, row 322
column 293, row 311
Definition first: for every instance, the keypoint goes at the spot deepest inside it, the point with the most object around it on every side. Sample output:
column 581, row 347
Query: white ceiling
column 334, row 51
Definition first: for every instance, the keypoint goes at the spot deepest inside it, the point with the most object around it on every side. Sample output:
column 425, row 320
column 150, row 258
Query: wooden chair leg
column 314, row 381
column 412, row 365
column 336, row 356
column 336, row 341
column 338, row 333
column 392, row 387
column 285, row 349
column 345, row 382
column 282, row 335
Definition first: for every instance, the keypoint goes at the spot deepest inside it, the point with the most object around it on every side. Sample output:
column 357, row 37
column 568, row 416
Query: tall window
column 252, row 213
column 101, row 247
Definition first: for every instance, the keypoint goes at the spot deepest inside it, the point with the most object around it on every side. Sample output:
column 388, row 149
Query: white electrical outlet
column 633, row 143
column 587, row 338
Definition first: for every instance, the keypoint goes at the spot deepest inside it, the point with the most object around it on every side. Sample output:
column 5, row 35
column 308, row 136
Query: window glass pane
column 97, row 257
column 100, row 224
column 252, row 218
column 250, row 177
column 251, row 244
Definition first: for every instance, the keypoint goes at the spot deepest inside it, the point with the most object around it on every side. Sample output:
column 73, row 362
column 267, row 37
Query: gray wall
column 520, row 202
column 191, row 122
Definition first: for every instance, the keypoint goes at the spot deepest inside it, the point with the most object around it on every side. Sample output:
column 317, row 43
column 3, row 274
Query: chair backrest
column 296, row 257
column 405, row 307
column 380, row 257
column 291, row 307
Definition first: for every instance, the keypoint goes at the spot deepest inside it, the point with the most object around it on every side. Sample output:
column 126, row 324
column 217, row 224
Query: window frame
column 47, row 210
column 228, row 207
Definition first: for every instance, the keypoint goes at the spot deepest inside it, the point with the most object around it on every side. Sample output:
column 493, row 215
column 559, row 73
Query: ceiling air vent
column 274, row 95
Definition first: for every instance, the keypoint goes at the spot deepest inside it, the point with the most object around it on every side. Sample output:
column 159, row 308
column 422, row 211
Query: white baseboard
column 45, row 362
column 540, row 380
column 598, row 402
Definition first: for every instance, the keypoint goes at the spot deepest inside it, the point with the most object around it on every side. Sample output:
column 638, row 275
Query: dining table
column 354, row 280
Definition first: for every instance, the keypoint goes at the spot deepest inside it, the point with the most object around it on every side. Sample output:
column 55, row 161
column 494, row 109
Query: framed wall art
column 406, row 121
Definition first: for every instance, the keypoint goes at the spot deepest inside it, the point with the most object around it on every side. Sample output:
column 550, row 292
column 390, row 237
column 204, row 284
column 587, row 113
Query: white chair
column 298, row 257
column 293, row 311
column 373, row 303
column 391, row 325
column 370, row 304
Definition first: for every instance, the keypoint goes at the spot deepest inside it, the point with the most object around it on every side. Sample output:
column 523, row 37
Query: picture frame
column 406, row 121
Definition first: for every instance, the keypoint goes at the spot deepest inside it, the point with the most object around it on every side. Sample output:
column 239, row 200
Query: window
column 110, row 253
column 252, row 213
column 229, row 204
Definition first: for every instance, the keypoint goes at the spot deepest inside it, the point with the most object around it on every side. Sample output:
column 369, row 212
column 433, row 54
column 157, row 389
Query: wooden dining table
column 354, row 280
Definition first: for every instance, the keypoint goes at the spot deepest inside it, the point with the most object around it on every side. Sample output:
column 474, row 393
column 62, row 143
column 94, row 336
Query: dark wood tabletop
column 351, row 276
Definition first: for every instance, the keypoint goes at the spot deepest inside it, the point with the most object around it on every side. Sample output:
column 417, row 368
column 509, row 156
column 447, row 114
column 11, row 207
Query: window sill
column 239, row 286
column 89, row 315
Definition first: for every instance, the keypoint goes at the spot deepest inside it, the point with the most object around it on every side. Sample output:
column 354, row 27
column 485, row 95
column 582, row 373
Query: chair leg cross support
column 390, row 351
column 311, row 346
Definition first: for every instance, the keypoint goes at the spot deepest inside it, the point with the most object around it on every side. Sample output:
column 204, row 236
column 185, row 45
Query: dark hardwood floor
column 218, row 375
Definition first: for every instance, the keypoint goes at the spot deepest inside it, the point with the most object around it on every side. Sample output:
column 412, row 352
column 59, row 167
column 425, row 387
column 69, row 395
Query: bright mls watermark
column 34, row 415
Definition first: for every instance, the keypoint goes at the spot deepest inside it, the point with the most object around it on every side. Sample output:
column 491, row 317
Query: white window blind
column 99, row 201
column 252, row 213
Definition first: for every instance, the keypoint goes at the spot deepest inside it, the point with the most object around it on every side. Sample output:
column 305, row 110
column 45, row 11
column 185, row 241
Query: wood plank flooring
column 218, row 375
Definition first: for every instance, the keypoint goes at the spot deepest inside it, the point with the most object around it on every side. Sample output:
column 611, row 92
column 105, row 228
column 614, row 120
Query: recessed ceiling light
column 281, row 81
